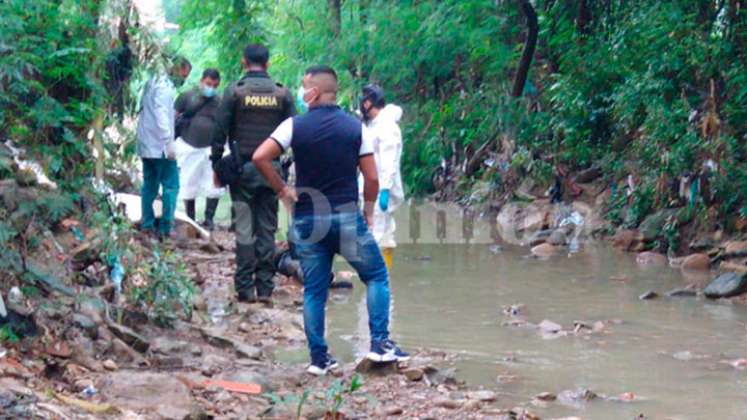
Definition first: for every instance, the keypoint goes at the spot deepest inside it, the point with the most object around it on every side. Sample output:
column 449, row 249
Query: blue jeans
column 159, row 173
column 317, row 238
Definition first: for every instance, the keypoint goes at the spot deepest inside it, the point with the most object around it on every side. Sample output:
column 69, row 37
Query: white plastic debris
column 575, row 218
column 15, row 296
column 41, row 177
column 3, row 311
column 131, row 205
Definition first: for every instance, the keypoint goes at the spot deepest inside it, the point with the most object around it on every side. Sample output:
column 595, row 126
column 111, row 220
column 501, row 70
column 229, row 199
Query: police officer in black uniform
column 250, row 111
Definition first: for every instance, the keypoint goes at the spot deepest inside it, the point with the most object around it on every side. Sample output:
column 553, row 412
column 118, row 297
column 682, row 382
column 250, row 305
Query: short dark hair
column 182, row 62
column 256, row 54
column 321, row 69
column 211, row 74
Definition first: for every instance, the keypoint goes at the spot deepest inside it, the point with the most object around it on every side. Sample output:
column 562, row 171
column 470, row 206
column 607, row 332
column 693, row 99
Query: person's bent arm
column 223, row 118
column 367, row 165
column 262, row 159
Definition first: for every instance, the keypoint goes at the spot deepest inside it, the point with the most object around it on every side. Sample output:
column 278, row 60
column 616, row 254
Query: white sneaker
column 320, row 368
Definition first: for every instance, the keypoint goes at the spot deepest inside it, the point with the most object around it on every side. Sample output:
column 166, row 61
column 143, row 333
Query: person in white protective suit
column 383, row 121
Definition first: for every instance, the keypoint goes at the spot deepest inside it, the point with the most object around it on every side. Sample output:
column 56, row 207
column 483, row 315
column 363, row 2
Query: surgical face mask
column 302, row 105
column 178, row 81
column 208, row 91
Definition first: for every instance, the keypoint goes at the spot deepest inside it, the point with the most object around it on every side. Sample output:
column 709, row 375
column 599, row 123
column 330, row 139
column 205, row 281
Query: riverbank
column 680, row 235
column 85, row 364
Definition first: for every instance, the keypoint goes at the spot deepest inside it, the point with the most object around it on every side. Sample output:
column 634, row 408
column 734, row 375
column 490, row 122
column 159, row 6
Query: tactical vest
column 260, row 108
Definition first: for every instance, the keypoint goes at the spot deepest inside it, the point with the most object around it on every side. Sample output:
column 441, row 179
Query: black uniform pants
column 256, row 209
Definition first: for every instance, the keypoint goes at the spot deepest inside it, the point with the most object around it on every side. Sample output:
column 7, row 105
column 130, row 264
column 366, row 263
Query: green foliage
column 293, row 402
column 8, row 335
column 641, row 205
column 169, row 290
column 334, row 397
column 222, row 28
column 49, row 54
column 339, row 390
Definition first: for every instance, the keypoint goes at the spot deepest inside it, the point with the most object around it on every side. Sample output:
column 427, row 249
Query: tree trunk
column 335, row 15
column 583, row 20
column 529, row 47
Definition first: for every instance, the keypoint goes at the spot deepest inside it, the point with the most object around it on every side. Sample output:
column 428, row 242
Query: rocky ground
column 713, row 261
column 88, row 360
column 88, row 352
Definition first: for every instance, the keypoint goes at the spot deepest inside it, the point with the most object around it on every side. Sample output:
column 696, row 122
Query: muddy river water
column 668, row 352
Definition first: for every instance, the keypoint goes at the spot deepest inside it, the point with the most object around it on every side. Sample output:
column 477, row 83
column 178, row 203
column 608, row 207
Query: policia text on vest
column 261, row 101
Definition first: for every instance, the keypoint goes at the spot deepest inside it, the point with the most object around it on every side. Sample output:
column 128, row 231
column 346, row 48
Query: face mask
column 364, row 111
column 208, row 91
column 178, row 81
column 302, row 105
column 305, row 92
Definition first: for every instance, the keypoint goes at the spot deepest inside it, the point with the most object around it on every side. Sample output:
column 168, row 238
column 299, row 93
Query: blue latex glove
column 384, row 199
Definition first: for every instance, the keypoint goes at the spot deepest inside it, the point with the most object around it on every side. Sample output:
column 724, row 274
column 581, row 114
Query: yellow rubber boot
column 388, row 254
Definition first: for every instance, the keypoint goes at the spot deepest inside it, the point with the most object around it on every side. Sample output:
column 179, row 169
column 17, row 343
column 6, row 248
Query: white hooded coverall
column 387, row 144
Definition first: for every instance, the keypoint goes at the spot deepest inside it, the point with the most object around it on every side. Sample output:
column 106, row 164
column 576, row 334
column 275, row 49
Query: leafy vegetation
column 644, row 88
column 167, row 291
column 335, row 396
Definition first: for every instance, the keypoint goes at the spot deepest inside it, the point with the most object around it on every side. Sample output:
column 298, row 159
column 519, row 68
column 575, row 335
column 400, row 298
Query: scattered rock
column 740, row 364
column 726, row 285
column 213, row 363
column 589, row 174
column 626, row 397
column 735, row 247
column 484, row 396
column 199, row 302
column 445, row 402
column 440, row 376
column 513, row 310
column 687, row 355
column 540, row 237
column 546, row 396
column 92, row 307
column 166, row 345
column 520, row 413
column 158, row 393
column 549, row 327
column 701, row 244
column 544, row 250
column 59, row 349
column 696, row 262
column 577, row 397
column 738, row 267
column 413, row 374
column 651, row 258
column 598, row 326
column 110, row 365
column 393, row 411
column 648, row 295
column 246, row 350
column 216, row 338
column 652, row 225
column 87, row 324
column 129, row 336
column 369, row 367
column 626, row 239
column 251, row 377
column 558, row 238
column 682, row 292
